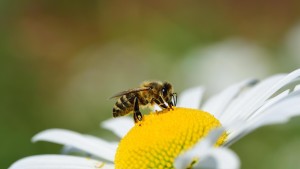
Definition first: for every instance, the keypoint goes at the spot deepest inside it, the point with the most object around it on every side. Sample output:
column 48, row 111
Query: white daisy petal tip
column 59, row 162
column 88, row 144
column 42, row 136
column 120, row 126
column 191, row 98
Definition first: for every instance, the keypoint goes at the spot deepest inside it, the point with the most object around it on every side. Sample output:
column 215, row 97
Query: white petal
column 97, row 140
column 281, row 111
column 99, row 148
column 236, row 128
column 242, row 108
column 218, row 103
column 219, row 158
column 67, row 149
column 268, row 104
column 205, row 151
column 120, row 126
column 59, row 162
column 297, row 87
column 260, row 93
column 191, row 98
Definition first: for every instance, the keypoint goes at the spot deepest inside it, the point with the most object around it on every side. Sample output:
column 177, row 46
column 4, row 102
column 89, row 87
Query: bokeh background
column 61, row 60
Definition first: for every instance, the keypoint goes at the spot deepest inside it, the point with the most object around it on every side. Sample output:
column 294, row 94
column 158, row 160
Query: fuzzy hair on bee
column 148, row 94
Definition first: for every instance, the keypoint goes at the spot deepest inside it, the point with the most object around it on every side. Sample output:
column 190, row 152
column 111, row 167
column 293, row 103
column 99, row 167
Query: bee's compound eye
column 164, row 91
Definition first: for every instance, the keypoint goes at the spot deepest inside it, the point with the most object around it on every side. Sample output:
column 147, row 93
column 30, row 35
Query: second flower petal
column 99, row 148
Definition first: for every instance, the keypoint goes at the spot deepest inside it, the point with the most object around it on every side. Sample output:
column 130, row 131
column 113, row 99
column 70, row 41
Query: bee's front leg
column 170, row 105
column 160, row 102
column 137, row 115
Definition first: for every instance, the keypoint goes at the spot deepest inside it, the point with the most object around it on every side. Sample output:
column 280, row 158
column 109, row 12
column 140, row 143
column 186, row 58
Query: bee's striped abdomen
column 124, row 105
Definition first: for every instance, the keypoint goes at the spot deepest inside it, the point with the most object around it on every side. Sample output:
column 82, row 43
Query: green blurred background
column 61, row 60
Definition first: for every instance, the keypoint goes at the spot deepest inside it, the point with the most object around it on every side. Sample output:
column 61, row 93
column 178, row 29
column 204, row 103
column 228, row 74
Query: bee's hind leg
column 137, row 115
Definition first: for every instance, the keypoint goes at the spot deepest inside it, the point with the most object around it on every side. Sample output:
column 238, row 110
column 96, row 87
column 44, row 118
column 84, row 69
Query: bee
column 148, row 94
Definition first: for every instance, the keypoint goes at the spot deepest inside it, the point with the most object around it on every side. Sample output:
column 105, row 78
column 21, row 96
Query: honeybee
column 148, row 94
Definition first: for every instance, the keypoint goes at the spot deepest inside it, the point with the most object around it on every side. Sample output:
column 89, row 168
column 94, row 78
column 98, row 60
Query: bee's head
column 168, row 95
column 164, row 90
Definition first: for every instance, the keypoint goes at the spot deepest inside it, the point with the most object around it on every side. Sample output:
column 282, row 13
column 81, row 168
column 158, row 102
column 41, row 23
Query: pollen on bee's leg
column 171, row 108
column 137, row 116
column 140, row 117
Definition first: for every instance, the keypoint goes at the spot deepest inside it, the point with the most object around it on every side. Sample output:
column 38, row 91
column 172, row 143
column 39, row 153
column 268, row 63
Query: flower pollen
column 161, row 136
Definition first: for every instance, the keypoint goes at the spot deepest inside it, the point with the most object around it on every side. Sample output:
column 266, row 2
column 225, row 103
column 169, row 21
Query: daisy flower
column 186, row 136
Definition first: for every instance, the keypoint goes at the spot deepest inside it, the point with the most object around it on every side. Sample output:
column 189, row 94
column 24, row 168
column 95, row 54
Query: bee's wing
column 130, row 91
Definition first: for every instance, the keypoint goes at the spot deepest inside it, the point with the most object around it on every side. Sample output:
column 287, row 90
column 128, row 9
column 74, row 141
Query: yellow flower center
column 160, row 137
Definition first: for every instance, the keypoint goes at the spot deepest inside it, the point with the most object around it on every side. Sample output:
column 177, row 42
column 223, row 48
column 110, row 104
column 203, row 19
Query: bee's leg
column 160, row 102
column 171, row 105
column 137, row 115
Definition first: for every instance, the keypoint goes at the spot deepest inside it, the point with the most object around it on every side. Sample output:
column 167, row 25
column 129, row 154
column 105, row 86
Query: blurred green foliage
column 61, row 60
